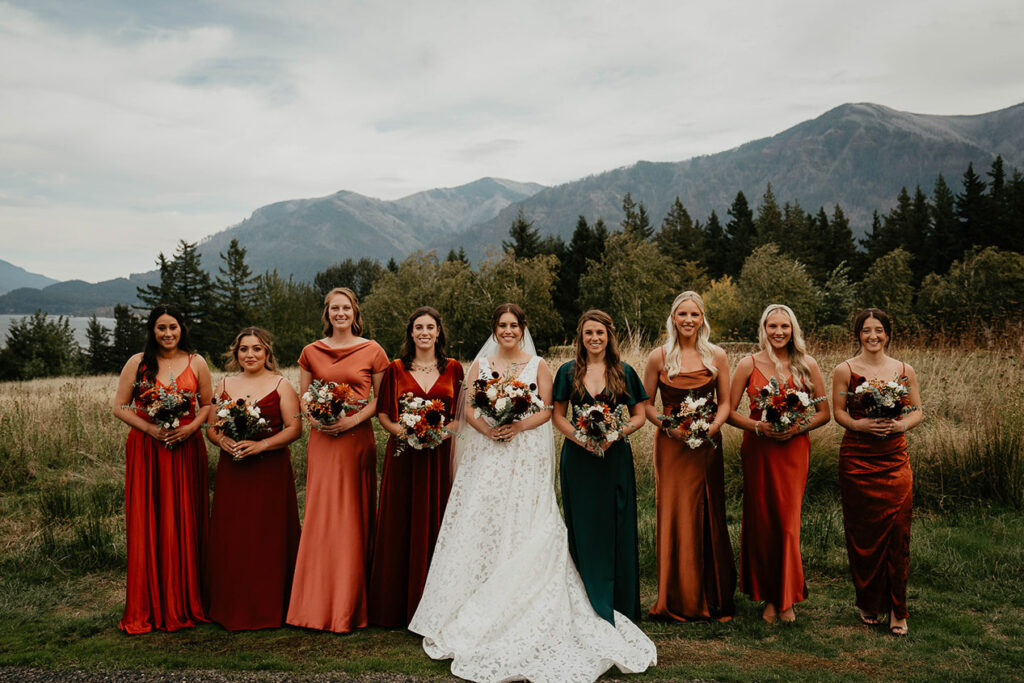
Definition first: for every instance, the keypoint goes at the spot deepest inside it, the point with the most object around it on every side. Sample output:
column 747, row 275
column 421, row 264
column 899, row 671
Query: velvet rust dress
column 413, row 495
column 331, row 570
column 254, row 533
column 696, row 567
column 876, row 489
column 166, row 523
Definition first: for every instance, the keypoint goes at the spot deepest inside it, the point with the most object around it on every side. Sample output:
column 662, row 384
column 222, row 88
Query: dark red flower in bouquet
column 792, row 400
column 772, row 415
column 433, row 417
column 533, row 387
column 764, row 392
column 495, row 374
column 520, row 404
column 480, row 399
column 860, row 380
column 240, row 403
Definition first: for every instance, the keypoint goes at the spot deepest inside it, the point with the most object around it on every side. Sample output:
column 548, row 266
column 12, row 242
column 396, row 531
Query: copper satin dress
column 875, row 485
column 165, row 498
column 696, row 567
column 329, row 588
column 254, row 533
column 413, row 495
column 774, row 479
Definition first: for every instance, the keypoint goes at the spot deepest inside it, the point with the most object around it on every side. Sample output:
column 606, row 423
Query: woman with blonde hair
column 775, row 462
column 329, row 589
column 696, row 570
column 253, row 547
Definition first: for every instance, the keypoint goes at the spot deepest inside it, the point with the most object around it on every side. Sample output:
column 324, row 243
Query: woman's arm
column 737, row 388
column 722, row 392
column 913, row 418
column 655, row 363
column 123, row 398
column 290, row 431
column 535, row 420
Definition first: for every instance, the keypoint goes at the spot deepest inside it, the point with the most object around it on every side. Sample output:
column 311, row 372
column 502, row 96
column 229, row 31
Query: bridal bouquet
column 880, row 398
column 424, row 422
column 503, row 401
column 598, row 422
column 240, row 420
column 165, row 406
column 328, row 402
column 783, row 407
column 693, row 416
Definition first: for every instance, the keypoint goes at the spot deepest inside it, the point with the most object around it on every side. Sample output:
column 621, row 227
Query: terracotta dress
column 774, row 479
column 875, row 485
column 254, row 533
column 599, row 500
column 413, row 494
column 329, row 588
column 166, row 521
column 696, row 568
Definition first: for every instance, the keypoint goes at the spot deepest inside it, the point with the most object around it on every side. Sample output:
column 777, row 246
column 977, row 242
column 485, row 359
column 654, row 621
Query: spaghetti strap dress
column 254, row 533
column 166, row 524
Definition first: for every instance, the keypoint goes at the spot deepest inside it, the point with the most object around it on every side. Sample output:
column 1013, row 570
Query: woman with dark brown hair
column 598, row 481
column 416, row 481
column 253, row 546
column 877, row 400
column 331, row 570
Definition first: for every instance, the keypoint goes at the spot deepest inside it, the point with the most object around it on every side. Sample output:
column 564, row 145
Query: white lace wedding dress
column 503, row 598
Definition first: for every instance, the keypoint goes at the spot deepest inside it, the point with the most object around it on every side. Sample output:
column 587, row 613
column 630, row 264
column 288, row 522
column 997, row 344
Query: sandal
column 898, row 631
column 867, row 620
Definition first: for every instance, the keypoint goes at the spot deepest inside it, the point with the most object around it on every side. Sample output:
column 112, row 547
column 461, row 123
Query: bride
column 503, row 599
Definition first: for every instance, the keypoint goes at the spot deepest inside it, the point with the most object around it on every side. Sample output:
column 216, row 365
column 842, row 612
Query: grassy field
column 62, row 551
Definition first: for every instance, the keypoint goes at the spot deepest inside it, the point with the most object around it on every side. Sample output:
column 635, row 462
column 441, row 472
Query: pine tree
column 945, row 226
column 741, row 233
column 392, row 265
column 98, row 352
column 679, row 239
column 359, row 276
column 234, row 294
column 918, row 236
column 636, row 223
column 769, row 224
column 587, row 244
column 185, row 285
column 716, row 247
column 459, row 255
column 1013, row 223
column 972, row 211
column 129, row 335
column 525, row 241
column 842, row 248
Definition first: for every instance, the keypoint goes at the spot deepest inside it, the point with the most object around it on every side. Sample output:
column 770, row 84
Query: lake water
column 78, row 325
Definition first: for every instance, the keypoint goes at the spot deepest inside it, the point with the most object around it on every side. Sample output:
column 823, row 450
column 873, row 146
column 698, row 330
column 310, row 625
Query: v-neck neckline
column 426, row 391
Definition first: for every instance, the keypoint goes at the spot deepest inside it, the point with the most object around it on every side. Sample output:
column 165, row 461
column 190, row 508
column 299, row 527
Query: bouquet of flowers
column 693, row 416
column 880, row 398
column 424, row 422
column 783, row 407
column 503, row 401
column 239, row 419
column 328, row 402
column 165, row 406
column 598, row 422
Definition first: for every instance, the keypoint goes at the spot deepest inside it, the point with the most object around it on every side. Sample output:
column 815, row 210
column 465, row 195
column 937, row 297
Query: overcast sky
column 127, row 125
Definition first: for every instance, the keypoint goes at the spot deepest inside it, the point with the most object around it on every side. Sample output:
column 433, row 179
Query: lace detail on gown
column 503, row 598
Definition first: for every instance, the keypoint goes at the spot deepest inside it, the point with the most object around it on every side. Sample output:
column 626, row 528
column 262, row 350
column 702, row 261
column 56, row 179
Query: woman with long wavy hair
column 165, row 478
column 775, row 464
column 598, row 480
column 696, row 568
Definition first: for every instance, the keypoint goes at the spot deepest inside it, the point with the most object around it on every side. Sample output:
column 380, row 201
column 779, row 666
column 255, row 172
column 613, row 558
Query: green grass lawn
column 966, row 602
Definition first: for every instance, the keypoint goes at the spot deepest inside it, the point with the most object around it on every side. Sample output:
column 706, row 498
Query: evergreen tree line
column 946, row 264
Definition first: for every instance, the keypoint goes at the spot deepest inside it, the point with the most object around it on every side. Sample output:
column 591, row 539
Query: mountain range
column 13, row 277
column 856, row 155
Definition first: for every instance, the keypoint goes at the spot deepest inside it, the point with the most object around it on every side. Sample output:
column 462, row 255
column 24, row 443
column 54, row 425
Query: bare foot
column 897, row 627
column 769, row 612
column 868, row 619
column 788, row 616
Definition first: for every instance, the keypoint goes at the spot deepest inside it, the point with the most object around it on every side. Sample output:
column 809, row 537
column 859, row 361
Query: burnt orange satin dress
column 696, row 568
column 774, row 479
column 329, row 588
column 876, row 488
column 165, row 499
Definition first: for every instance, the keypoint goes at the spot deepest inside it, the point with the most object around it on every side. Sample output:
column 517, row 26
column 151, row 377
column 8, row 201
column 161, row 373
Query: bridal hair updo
column 515, row 310
column 796, row 347
column 879, row 315
column 409, row 346
column 673, row 357
column 266, row 341
column 148, row 366
column 357, row 314
column 614, row 375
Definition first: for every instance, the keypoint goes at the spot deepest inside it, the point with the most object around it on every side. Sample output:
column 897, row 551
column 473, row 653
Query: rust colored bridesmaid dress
column 774, row 478
column 329, row 588
column 413, row 495
column 875, row 486
column 165, row 498
column 254, row 534
column 696, row 567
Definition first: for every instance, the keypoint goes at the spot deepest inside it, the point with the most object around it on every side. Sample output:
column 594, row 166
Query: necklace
column 427, row 368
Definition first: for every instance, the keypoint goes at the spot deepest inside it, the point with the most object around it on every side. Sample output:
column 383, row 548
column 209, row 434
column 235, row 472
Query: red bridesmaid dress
column 413, row 495
column 774, row 478
column 329, row 588
column 165, row 497
column 254, row 533
column 876, row 489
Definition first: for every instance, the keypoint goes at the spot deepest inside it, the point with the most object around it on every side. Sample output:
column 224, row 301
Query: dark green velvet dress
column 599, row 499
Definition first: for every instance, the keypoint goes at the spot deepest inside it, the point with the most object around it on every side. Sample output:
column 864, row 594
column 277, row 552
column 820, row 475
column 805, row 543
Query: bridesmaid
column 696, row 570
column 165, row 490
column 875, row 481
column 599, row 493
column 253, row 546
column 775, row 466
column 329, row 588
column 415, row 484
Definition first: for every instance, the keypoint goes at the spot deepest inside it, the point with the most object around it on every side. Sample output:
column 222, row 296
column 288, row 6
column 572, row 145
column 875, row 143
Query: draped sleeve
column 562, row 390
column 379, row 359
column 387, row 400
column 635, row 392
